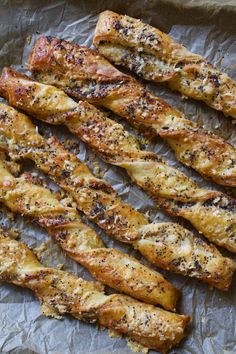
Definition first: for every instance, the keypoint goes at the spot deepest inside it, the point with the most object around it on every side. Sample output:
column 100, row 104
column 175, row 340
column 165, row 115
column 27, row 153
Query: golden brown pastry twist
column 167, row 245
column 211, row 212
column 63, row 293
column 155, row 56
column 86, row 75
column 80, row 242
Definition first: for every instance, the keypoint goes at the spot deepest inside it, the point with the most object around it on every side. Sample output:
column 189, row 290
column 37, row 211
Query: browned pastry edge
column 86, row 75
column 61, row 220
column 210, row 212
column 167, row 245
column 155, row 56
column 63, row 293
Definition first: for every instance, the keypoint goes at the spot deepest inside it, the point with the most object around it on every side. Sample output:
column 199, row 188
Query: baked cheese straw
column 62, row 222
column 86, row 75
column 166, row 245
column 155, row 56
column 62, row 293
column 210, row 212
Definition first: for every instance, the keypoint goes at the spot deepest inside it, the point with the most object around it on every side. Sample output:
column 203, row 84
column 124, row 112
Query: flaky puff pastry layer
column 167, row 245
column 63, row 223
column 63, row 293
column 86, row 75
column 210, row 212
column 155, row 56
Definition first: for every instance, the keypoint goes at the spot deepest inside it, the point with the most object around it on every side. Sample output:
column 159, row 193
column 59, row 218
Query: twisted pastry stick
column 155, row 56
column 80, row 242
column 63, row 293
column 86, row 75
column 167, row 245
column 210, row 212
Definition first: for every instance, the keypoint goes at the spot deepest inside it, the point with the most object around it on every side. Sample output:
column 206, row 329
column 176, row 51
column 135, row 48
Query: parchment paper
column 201, row 26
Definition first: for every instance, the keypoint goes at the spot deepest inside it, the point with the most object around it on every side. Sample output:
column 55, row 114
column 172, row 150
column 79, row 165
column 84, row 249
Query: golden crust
column 86, row 75
column 105, row 136
column 155, row 56
column 212, row 213
column 184, row 248
column 63, row 293
column 19, row 138
column 81, row 243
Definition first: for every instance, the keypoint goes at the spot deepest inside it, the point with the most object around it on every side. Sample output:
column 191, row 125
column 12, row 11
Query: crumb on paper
column 143, row 141
column 49, row 311
column 96, row 167
column 114, row 334
column 136, row 347
column 147, row 214
column 60, row 266
column 13, row 233
column 29, row 38
column 39, row 251
column 97, row 170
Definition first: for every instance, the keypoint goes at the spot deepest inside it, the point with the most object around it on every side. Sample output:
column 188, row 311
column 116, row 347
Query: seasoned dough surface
column 63, row 293
column 155, row 56
column 210, row 212
column 167, row 245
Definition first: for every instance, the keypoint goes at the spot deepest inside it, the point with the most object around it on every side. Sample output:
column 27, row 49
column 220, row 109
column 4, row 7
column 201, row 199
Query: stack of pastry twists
column 167, row 245
column 63, row 293
column 210, row 212
column 155, row 56
column 86, row 75
column 82, row 243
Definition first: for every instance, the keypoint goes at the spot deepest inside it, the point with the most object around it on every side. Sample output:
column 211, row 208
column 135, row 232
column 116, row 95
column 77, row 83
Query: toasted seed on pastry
column 86, row 75
column 167, row 245
column 62, row 222
column 62, row 293
column 155, row 56
column 210, row 212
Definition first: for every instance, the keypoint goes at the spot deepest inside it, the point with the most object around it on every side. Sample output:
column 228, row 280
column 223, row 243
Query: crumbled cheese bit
column 60, row 266
column 114, row 334
column 39, row 251
column 136, row 347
